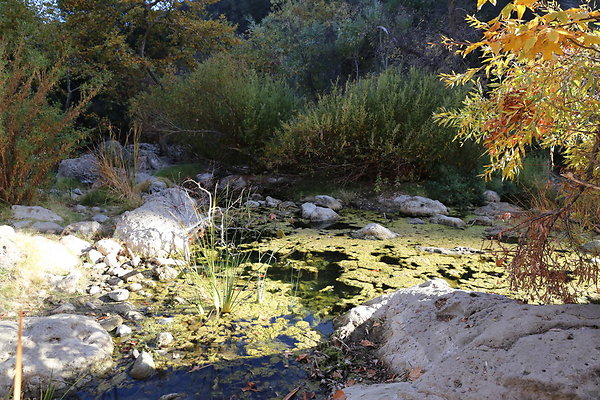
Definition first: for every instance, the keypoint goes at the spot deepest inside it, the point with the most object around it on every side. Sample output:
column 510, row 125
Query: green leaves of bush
column 378, row 125
column 222, row 109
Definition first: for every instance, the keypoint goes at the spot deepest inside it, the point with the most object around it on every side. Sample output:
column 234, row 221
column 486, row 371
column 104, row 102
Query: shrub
column 34, row 133
column 454, row 188
column 221, row 108
column 378, row 125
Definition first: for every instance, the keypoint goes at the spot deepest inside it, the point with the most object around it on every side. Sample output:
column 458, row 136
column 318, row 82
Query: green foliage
column 180, row 172
column 454, row 188
column 221, row 109
column 314, row 42
column 378, row 125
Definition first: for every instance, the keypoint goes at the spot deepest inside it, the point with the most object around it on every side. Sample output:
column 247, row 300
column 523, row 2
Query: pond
column 256, row 352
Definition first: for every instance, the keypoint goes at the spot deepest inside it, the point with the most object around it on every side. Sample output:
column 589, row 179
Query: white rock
column 70, row 283
column 135, row 287
column 308, row 209
column 94, row 256
column 160, row 227
column 10, row 252
column 164, row 339
column 143, row 367
column 123, row 330
column 374, row 231
column 318, row 214
column 495, row 209
column 168, row 261
column 94, row 289
column 75, row 245
column 475, row 346
column 108, row 246
column 35, row 213
column 111, row 260
column 165, row 273
column 54, row 348
column 119, row 294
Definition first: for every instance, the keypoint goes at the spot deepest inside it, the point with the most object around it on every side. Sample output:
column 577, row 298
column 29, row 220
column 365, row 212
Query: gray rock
column 80, row 208
column 70, row 283
column 143, row 367
column 165, row 273
column 495, row 209
column 100, row 218
column 75, row 245
column 119, row 295
column 164, row 339
column 448, row 221
column 55, row 348
column 233, row 182
column 328, row 202
column 46, row 227
column 160, row 227
column 481, row 220
column 374, row 231
column 286, row 205
column 123, row 330
column 318, row 214
column 271, row 202
column 592, row 248
column 252, row 204
column 84, row 168
column 65, row 308
column 111, row 322
column 35, row 213
column 134, row 315
column 308, row 209
column 206, row 180
column 475, row 346
column 414, row 221
column 87, row 229
column 108, row 246
column 489, row 196
column 417, row 206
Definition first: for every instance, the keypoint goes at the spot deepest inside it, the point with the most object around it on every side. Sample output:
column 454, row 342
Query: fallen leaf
column 292, row 393
column 371, row 373
column 339, row 395
column 351, row 382
column 415, row 373
column 308, row 395
column 367, row 343
column 250, row 386
column 336, row 375
column 302, row 357
column 376, row 324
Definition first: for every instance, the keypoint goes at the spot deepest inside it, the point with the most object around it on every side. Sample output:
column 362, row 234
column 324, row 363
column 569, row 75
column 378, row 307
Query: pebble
column 111, row 322
column 143, row 367
column 119, row 294
column 164, row 339
column 94, row 289
column 94, row 256
column 123, row 330
column 135, row 287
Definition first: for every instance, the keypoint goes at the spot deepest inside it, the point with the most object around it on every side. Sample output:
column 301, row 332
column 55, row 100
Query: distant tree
column 137, row 41
column 543, row 91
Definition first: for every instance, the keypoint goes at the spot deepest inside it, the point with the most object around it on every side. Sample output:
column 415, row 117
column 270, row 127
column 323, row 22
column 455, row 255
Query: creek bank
column 456, row 344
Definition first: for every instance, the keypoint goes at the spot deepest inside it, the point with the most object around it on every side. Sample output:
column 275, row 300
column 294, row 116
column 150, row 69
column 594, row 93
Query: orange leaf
column 367, row 343
column 415, row 373
column 339, row 395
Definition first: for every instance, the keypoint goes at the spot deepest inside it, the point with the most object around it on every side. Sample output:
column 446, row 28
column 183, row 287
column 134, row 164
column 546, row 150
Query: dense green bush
column 455, row 188
column 380, row 125
column 221, row 109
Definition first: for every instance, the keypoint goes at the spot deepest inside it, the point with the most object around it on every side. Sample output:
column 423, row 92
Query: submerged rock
column 54, row 348
column 417, row 206
column 374, row 231
column 475, row 346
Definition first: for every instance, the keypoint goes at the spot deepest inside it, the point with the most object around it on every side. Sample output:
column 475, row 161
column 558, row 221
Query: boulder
column 374, row 231
column 479, row 346
column 84, row 168
column 233, row 182
column 108, row 246
column 489, row 196
column 328, row 202
column 55, row 348
column 448, row 221
column 496, row 209
column 417, row 206
column 46, row 227
column 160, row 227
column 35, row 213
column 318, row 214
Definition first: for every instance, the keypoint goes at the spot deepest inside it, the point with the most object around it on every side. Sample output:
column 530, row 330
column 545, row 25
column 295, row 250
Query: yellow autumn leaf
column 526, row 3
column 589, row 40
column 480, row 3
column 520, row 10
column 553, row 36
